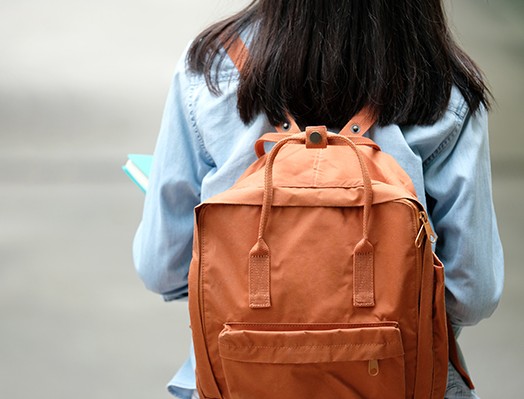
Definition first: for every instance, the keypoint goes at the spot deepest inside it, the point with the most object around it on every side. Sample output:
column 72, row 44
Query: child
column 321, row 62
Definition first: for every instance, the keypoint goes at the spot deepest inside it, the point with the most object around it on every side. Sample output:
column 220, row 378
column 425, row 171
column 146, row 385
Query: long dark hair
column 323, row 60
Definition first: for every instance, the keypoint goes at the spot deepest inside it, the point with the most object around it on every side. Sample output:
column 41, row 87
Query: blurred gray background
column 81, row 85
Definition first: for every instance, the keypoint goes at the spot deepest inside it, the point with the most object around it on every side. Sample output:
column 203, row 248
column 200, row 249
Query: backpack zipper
column 425, row 228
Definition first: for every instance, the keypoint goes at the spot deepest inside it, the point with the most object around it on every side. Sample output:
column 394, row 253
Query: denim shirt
column 203, row 147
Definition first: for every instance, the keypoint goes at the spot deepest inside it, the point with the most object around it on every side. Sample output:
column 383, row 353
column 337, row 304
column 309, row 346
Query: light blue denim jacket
column 203, row 147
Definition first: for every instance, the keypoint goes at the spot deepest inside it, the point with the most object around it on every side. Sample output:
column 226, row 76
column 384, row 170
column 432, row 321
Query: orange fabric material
column 363, row 287
column 314, row 276
column 259, row 276
column 238, row 53
column 308, row 207
column 360, row 123
column 247, row 349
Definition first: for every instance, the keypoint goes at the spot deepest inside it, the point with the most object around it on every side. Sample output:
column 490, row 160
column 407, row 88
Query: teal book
column 137, row 168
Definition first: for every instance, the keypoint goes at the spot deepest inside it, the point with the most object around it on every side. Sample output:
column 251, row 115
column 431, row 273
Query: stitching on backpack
column 202, row 302
column 233, row 347
column 316, row 168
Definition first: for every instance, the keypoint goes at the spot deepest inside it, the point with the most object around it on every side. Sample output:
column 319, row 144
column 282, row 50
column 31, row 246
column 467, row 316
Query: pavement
column 81, row 85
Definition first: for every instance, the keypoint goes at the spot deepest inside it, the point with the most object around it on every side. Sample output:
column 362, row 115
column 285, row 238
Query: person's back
column 321, row 63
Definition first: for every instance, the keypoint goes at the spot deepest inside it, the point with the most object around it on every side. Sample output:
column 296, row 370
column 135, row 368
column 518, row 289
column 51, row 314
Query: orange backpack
column 314, row 277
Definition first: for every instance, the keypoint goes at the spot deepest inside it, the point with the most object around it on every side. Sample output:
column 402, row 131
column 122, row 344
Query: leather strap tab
column 363, row 275
column 360, row 123
column 316, row 137
column 259, row 276
column 289, row 127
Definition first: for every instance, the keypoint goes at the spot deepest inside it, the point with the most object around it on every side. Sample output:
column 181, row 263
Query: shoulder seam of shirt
column 231, row 75
column 192, row 118
column 195, row 81
column 460, row 111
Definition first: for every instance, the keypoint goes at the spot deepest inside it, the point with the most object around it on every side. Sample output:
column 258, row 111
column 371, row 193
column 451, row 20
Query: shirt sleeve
column 163, row 242
column 458, row 188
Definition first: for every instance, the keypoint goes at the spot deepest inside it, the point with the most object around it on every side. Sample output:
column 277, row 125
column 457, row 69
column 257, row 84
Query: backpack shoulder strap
column 238, row 52
column 360, row 123
column 357, row 126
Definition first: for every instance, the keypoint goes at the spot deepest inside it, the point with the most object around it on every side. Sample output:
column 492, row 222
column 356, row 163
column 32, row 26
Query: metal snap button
column 315, row 137
column 355, row 128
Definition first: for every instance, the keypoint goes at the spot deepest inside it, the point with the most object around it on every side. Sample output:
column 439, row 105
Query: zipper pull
column 373, row 369
column 425, row 227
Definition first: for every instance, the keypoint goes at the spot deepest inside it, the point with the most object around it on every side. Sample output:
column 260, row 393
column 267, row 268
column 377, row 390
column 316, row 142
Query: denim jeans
column 457, row 389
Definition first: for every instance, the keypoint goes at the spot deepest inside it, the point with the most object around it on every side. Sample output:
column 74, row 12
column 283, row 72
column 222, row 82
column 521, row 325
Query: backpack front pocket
column 297, row 361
